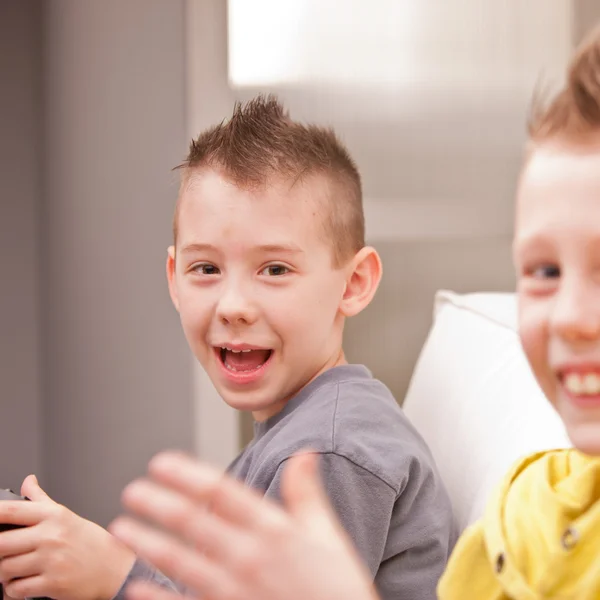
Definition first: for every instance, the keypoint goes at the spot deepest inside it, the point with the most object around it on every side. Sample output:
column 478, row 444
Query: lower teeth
column 240, row 371
column 232, row 368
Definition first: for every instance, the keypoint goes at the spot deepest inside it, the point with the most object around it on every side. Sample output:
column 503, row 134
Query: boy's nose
column 236, row 309
column 576, row 313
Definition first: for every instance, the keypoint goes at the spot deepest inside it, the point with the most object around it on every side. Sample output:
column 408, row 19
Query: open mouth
column 244, row 361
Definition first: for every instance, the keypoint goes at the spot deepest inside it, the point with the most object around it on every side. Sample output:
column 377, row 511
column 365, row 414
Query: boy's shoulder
column 349, row 413
column 371, row 430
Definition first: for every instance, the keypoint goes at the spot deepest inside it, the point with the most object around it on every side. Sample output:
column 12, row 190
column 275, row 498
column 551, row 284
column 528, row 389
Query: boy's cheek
column 534, row 341
column 530, row 338
column 543, row 374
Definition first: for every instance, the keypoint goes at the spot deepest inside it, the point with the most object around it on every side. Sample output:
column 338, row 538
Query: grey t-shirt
column 377, row 471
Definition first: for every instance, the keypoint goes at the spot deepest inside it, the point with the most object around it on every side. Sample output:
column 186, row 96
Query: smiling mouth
column 582, row 384
column 243, row 361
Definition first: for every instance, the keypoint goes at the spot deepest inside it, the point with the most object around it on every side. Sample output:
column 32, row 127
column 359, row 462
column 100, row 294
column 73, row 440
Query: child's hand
column 248, row 548
column 58, row 554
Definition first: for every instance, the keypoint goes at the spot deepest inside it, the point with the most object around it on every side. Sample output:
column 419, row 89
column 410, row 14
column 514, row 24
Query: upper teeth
column 236, row 351
column 583, row 383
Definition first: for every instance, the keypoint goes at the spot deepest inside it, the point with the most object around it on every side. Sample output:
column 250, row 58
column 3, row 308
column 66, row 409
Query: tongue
column 246, row 361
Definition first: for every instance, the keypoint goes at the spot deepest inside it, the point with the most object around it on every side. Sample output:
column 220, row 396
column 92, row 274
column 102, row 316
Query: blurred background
column 99, row 101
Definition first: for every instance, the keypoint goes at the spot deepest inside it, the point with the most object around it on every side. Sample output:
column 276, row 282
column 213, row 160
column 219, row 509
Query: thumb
column 303, row 493
column 32, row 490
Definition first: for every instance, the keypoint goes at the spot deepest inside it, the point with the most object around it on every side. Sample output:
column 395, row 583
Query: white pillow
column 474, row 399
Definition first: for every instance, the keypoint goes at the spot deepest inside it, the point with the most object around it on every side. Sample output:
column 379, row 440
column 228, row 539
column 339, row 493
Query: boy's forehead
column 557, row 179
column 210, row 185
column 548, row 163
column 209, row 198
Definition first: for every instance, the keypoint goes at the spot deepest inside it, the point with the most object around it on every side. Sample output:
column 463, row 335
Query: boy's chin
column 585, row 437
column 250, row 402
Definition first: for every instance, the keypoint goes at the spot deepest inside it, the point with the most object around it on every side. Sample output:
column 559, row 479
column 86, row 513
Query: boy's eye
column 275, row 270
column 205, row 269
column 545, row 272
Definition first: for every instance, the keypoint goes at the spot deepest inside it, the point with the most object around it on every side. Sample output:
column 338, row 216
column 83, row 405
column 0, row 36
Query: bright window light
column 395, row 42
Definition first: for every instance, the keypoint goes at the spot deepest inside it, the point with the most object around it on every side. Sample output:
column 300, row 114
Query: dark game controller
column 10, row 495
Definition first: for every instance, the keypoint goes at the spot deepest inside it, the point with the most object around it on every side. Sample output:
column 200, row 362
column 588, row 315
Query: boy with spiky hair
column 269, row 260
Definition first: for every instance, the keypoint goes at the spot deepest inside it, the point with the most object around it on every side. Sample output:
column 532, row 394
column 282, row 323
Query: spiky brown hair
column 260, row 142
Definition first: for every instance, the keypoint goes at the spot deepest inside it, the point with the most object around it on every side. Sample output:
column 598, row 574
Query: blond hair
column 574, row 113
column 260, row 142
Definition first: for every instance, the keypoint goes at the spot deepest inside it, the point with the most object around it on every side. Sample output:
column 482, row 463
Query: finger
column 32, row 490
column 302, row 490
column 164, row 506
column 305, row 498
column 178, row 562
column 18, row 541
column 171, row 510
column 23, row 565
column 225, row 496
column 17, row 512
column 300, row 486
column 161, row 505
column 29, row 587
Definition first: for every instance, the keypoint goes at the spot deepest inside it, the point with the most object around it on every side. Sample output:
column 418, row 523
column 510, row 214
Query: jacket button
column 569, row 538
column 500, row 560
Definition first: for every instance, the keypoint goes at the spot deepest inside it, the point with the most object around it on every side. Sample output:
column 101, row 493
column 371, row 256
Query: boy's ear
column 171, row 276
column 364, row 275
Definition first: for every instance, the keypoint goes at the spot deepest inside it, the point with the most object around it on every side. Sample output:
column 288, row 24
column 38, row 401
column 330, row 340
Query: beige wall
column 95, row 376
column 20, row 127
column 118, row 379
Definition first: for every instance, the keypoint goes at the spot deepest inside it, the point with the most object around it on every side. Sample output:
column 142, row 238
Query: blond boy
column 540, row 535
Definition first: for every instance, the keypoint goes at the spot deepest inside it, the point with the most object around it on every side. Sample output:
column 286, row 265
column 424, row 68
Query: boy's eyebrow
column 188, row 248
column 280, row 248
column 270, row 248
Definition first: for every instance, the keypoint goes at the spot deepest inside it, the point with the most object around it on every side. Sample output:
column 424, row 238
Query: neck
column 335, row 360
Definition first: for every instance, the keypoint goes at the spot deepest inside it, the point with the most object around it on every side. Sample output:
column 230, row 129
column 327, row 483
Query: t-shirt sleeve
column 142, row 571
column 405, row 542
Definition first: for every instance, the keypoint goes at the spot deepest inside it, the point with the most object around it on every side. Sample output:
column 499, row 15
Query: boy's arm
column 405, row 549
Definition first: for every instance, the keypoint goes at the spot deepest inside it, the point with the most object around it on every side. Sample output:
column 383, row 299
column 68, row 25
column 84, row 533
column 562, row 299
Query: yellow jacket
column 539, row 538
